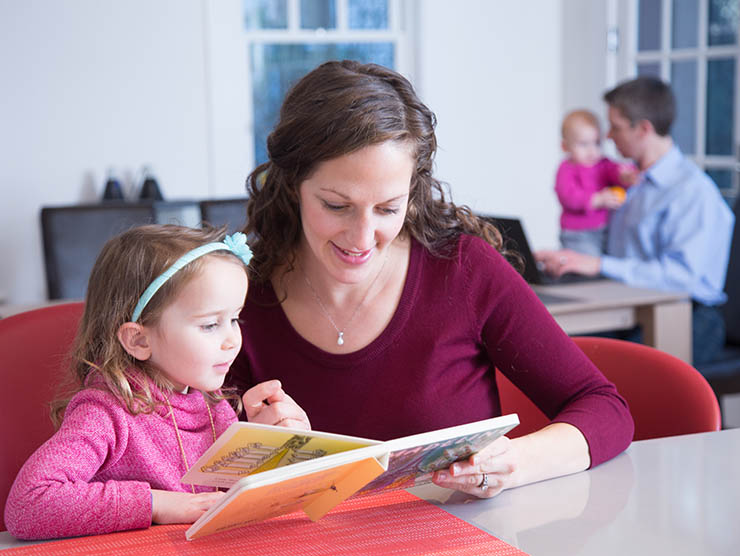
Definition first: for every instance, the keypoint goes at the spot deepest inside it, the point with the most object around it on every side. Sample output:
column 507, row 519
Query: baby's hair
column 576, row 117
column 125, row 267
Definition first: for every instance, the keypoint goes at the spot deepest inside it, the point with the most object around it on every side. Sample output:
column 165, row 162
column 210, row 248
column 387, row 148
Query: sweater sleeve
column 526, row 344
column 573, row 196
column 56, row 495
column 611, row 172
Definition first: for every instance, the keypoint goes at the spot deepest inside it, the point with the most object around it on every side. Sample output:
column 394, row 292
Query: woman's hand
column 553, row 451
column 268, row 404
column 497, row 462
column 181, row 507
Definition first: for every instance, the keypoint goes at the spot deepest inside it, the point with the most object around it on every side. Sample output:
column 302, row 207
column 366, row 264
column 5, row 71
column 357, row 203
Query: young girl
column 583, row 184
column 157, row 337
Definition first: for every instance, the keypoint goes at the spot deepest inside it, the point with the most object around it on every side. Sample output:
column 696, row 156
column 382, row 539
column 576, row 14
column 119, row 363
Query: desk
column 602, row 305
column 677, row 495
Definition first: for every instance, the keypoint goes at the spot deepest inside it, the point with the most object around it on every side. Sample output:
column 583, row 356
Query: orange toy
column 618, row 191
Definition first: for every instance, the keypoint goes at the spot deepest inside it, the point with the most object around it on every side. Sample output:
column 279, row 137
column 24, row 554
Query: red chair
column 33, row 351
column 666, row 396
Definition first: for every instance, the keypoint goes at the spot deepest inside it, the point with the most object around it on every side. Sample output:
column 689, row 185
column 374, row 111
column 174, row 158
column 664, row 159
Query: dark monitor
column 225, row 212
column 74, row 235
column 516, row 240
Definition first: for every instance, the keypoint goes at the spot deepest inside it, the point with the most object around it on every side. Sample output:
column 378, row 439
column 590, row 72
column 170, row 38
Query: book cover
column 271, row 471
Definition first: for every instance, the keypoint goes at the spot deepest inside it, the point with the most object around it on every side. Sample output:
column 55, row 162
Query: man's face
column 626, row 137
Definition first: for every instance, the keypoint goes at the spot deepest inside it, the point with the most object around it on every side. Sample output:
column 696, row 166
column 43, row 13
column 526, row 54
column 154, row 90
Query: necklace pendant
column 340, row 339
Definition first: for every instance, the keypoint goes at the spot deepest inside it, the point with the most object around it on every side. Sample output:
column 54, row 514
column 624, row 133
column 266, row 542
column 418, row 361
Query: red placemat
column 391, row 523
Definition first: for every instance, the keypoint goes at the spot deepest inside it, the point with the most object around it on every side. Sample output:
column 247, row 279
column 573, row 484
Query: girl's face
column 583, row 144
column 353, row 207
column 197, row 337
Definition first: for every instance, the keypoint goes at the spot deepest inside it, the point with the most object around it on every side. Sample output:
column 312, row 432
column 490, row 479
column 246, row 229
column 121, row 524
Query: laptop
column 516, row 240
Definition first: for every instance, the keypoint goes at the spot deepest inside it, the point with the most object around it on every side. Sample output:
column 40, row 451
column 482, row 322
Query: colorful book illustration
column 271, row 471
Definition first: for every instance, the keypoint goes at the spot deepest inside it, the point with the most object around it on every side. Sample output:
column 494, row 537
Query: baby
column 588, row 184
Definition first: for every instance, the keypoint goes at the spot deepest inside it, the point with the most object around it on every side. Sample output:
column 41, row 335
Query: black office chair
column 723, row 374
column 231, row 213
column 74, row 235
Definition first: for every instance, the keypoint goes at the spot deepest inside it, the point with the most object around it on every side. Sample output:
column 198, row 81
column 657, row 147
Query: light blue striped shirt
column 672, row 233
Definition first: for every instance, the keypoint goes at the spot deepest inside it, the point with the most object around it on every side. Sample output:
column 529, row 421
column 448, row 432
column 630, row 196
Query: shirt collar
column 661, row 172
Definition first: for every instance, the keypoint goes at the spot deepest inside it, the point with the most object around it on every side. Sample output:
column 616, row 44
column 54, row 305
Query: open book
column 271, row 471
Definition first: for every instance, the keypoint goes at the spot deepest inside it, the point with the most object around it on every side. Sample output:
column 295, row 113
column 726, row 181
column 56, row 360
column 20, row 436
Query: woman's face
column 353, row 207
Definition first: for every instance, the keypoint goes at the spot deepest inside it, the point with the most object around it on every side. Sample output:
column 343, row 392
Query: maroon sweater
column 433, row 365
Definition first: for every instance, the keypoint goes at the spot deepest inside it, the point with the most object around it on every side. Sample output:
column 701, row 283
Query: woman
column 384, row 309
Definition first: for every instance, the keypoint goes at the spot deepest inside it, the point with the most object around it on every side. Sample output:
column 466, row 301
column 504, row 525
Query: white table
column 677, row 496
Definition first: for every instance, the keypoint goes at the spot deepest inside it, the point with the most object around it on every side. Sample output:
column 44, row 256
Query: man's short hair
column 645, row 98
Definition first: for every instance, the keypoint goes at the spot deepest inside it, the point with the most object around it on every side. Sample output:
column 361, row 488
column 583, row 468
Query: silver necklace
column 340, row 333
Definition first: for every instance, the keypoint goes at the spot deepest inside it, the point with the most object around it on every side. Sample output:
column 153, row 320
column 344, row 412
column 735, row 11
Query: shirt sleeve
column 573, row 196
column 681, row 257
column 526, row 344
column 55, row 493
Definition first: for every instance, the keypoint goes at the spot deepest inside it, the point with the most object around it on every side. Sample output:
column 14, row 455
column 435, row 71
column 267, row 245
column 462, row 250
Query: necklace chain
column 340, row 333
column 177, row 433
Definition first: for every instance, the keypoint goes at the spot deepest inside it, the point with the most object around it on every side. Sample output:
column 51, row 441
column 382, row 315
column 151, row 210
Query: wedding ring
column 563, row 259
column 484, row 483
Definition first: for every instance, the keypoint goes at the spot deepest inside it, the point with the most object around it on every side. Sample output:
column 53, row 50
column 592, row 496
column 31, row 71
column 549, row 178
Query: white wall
column 90, row 84
column 498, row 111
column 95, row 83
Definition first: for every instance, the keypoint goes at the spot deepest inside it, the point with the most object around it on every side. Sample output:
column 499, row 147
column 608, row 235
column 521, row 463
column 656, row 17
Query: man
column 673, row 230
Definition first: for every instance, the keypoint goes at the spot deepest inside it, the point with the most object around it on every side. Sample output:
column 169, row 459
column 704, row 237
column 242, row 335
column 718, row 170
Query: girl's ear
column 133, row 338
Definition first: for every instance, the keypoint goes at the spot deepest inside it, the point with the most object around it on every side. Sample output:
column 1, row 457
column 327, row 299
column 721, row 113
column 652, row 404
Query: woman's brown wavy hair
column 336, row 109
column 125, row 267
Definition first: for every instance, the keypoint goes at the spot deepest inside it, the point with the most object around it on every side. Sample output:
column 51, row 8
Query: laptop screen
column 516, row 240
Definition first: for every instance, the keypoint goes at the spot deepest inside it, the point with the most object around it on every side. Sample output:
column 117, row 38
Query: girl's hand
column 499, row 463
column 607, row 199
column 181, row 507
column 628, row 175
column 268, row 404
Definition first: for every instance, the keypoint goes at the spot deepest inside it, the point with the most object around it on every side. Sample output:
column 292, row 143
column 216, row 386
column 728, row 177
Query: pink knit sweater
column 95, row 474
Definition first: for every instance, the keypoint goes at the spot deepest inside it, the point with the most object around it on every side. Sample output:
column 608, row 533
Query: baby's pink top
column 575, row 184
column 95, row 474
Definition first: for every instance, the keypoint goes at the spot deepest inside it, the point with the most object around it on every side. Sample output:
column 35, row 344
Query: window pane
column 724, row 16
column 368, row 14
column 722, row 177
column 649, row 69
column 684, row 27
column 318, row 14
column 648, row 25
column 720, row 105
column 275, row 67
column 683, row 83
column 265, row 14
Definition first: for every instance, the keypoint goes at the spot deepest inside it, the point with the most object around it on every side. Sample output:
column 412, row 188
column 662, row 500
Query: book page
column 413, row 459
column 246, row 448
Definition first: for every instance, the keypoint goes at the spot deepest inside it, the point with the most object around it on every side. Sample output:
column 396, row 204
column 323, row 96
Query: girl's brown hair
column 125, row 267
column 336, row 109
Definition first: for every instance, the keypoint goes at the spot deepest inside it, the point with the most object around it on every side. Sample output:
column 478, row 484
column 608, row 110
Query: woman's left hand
column 484, row 474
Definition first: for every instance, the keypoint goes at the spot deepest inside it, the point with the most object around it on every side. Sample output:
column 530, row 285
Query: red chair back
column 33, row 351
column 666, row 396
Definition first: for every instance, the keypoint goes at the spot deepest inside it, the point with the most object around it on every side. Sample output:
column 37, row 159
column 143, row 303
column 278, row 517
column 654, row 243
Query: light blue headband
column 236, row 243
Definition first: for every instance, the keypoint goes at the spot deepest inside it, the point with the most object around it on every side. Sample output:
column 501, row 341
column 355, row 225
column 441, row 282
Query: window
column 288, row 38
column 693, row 44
